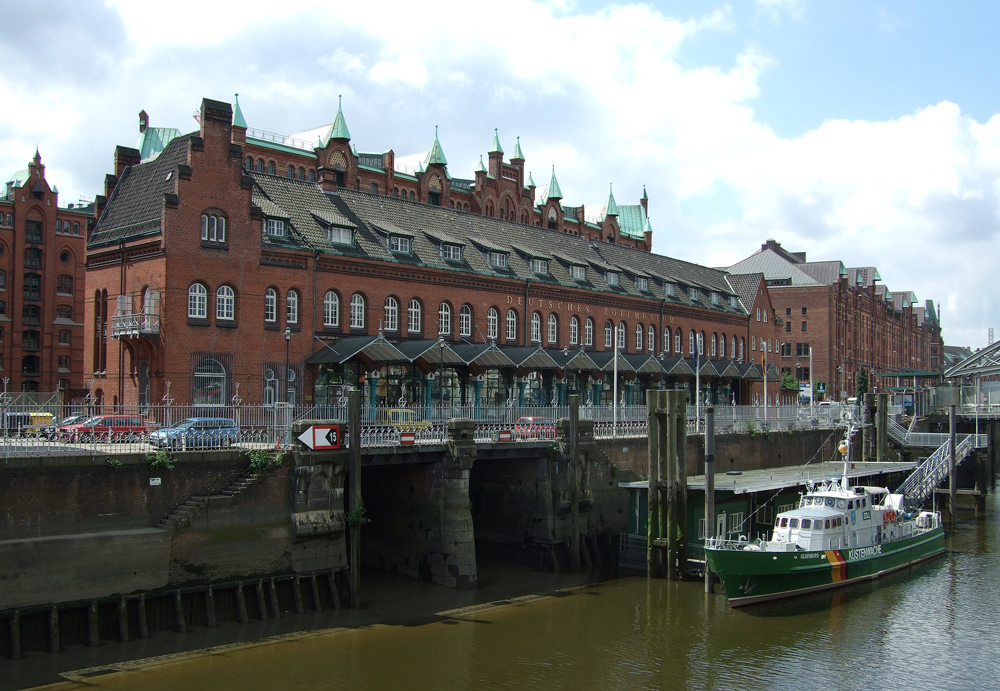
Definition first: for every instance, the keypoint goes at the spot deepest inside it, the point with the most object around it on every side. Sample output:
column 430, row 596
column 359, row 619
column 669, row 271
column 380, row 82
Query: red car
column 105, row 428
column 535, row 428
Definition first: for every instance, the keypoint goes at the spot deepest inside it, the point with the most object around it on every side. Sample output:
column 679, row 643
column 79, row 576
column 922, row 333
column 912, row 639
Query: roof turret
column 495, row 147
column 437, row 153
column 517, row 155
column 554, row 191
column 238, row 120
column 612, row 207
column 481, row 168
column 339, row 129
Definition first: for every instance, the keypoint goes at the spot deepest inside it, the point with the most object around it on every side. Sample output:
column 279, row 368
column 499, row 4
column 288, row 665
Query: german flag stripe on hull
column 838, row 564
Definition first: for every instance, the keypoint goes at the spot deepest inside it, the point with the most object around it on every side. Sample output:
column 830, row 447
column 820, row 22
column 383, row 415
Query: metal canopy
column 434, row 352
column 534, row 357
column 375, row 348
column 983, row 363
column 605, row 361
column 483, row 354
column 708, row 369
column 731, row 370
column 752, row 372
column 576, row 360
column 645, row 363
column 677, row 366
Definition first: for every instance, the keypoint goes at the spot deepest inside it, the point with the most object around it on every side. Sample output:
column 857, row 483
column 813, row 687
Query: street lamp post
column 812, row 391
column 288, row 339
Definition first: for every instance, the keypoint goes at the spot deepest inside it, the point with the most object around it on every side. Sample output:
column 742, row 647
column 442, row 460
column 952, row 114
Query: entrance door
column 720, row 525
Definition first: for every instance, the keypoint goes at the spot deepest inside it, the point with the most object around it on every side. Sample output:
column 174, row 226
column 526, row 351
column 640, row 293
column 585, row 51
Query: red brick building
column 217, row 255
column 41, row 285
column 850, row 320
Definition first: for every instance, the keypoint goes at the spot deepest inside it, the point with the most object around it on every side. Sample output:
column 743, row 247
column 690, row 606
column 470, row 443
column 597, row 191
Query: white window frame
column 391, row 316
column 638, row 337
column 574, row 331
column 609, row 338
column 651, row 339
column 292, row 307
column 197, row 301
column 465, row 321
column 498, row 260
column 553, row 330
column 612, row 278
column 270, row 305
column 536, row 327
column 621, row 336
column 331, row 309
column 414, row 316
column 578, row 272
column 213, row 228
column 588, row 332
column 540, row 266
column 225, row 303
column 450, row 252
column 444, row 319
column 357, row 311
column 274, row 227
column 492, row 323
column 340, row 236
column 400, row 244
column 642, row 283
column 511, row 325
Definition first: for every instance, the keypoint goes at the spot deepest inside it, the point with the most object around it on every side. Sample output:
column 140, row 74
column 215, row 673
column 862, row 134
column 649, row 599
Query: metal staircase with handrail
column 929, row 474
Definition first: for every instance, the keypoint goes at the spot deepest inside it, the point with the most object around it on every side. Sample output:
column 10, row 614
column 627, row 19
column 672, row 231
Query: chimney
column 143, row 121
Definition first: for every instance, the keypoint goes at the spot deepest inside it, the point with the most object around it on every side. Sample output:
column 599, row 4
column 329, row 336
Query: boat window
column 784, row 522
column 841, row 504
column 829, row 501
column 827, row 524
column 850, row 504
column 839, row 521
column 806, row 523
column 794, row 523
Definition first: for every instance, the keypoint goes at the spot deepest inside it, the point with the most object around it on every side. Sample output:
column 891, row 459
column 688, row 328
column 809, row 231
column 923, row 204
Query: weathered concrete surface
column 84, row 566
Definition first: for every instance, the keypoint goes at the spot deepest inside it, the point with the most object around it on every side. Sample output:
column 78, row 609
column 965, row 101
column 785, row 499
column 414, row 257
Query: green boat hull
column 757, row 576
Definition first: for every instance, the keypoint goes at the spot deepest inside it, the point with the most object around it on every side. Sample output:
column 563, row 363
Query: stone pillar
column 453, row 542
column 882, row 428
column 317, row 516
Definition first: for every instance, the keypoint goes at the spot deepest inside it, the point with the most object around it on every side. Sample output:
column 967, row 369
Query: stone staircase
column 181, row 516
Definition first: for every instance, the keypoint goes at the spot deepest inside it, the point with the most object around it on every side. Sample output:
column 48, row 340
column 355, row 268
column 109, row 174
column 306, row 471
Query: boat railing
column 725, row 543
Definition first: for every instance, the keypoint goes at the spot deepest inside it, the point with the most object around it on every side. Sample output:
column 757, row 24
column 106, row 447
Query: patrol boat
column 837, row 535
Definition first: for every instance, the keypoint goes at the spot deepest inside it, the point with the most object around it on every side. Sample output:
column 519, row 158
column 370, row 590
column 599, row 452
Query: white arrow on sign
column 321, row 437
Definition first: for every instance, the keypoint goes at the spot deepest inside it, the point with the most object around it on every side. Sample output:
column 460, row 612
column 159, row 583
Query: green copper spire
column 495, row 147
column 612, row 206
column 437, row 153
column 554, row 191
column 238, row 120
column 644, row 193
column 647, row 227
column 531, row 182
column 339, row 129
column 517, row 156
column 481, row 168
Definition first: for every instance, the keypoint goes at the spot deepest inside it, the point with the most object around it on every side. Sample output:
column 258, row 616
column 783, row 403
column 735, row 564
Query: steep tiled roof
column 826, row 273
column 774, row 266
column 136, row 206
column 745, row 286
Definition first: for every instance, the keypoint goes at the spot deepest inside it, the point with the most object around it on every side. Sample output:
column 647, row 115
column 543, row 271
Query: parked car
column 403, row 419
column 535, row 428
column 25, row 424
column 197, row 432
column 51, row 430
column 105, row 428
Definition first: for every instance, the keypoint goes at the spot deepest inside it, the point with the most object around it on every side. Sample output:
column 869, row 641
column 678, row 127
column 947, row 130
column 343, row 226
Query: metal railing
column 135, row 324
column 929, row 474
column 904, row 437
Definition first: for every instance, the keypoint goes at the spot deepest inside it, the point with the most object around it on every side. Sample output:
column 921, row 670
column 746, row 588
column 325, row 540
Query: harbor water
column 934, row 626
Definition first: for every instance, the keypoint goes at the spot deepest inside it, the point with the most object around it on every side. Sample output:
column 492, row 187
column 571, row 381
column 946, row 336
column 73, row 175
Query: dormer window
column 399, row 244
column 540, row 266
column 693, row 293
column 275, row 228
column 642, row 283
column 579, row 273
column 669, row 289
column 715, row 298
column 341, row 236
column 451, row 253
column 733, row 302
column 611, row 278
column 498, row 260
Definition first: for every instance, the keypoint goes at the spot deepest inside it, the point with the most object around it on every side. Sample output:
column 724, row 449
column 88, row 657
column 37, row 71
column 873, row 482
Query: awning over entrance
column 751, row 372
column 677, row 366
column 375, row 348
column 730, row 370
column 573, row 360
column 531, row 357
column 605, row 360
column 483, row 354
column 434, row 352
column 708, row 369
column 644, row 363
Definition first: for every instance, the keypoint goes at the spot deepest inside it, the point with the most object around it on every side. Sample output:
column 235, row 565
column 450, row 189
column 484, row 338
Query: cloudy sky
column 863, row 131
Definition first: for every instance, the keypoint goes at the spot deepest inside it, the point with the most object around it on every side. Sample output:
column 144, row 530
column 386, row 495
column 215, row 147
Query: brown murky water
column 935, row 626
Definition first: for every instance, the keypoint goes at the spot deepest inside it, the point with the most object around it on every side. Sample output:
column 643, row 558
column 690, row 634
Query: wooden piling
column 179, row 612
column 275, row 608
column 574, row 475
column 54, row 629
column 93, row 623
column 15, row 636
column 143, row 626
column 261, row 601
column 354, row 493
column 241, row 605
column 655, row 402
column 210, row 619
column 951, row 465
column 331, row 579
column 123, row 619
column 317, row 603
column 297, row 595
column 709, row 490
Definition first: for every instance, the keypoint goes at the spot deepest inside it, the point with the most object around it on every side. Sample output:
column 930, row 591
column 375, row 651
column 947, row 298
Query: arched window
column 553, row 335
column 270, row 305
column 511, row 325
column 588, row 332
column 492, row 324
column 260, row 165
column 225, row 303
column 390, row 321
column 732, row 351
column 638, row 338
column 248, row 164
column 722, row 346
column 742, row 346
column 667, row 339
column 574, row 331
column 302, row 174
column 197, row 301
column 357, row 311
column 444, row 319
column 621, row 336
column 331, row 310
column 465, row 321
column 651, row 345
column 291, row 172
column 208, row 383
column 536, row 327
column 312, row 175
column 292, row 307
column 714, row 350
column 701, row 344
column 413, row 317
column 270, row 167
column 691, row 350
column 609, row 329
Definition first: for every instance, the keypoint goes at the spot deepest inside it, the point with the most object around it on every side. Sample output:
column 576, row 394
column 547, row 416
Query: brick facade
column 41, row 285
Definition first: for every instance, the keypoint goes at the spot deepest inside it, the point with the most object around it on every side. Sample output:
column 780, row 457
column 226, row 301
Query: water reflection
column 934, row 626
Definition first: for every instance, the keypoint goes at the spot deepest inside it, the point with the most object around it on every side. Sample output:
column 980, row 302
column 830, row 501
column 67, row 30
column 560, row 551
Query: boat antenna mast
column 845, row 451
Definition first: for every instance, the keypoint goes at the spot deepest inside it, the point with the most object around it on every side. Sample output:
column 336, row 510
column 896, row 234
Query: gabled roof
column 745, row 286
column 775, row 266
